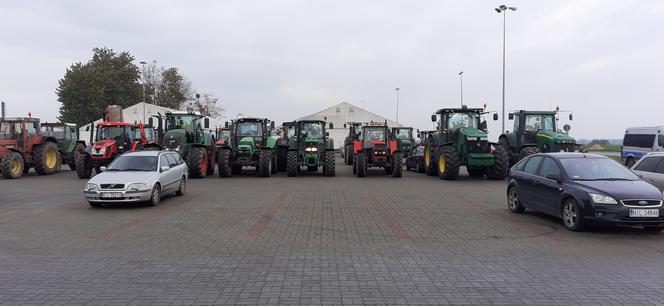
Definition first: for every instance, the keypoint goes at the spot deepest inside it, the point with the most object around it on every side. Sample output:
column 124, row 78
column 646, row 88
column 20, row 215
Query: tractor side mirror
column 331, row 126
column 483, row 126
column 571, row 117
column 511, row 116
column 495, row 116
column 206, row 123
column 433, row 118
column 150, row 121
column 226, row 124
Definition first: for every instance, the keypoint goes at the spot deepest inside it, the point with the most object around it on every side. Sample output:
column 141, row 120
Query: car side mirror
column 102, row 168
column 206, row 123
column 433, row 118
column 511, row 116
column 165, row 168
column 553, row 176
column 571, row 117
column 495, row 116
column 331, row 126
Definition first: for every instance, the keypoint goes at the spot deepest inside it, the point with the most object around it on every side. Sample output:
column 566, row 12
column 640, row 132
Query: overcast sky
column 604, row 60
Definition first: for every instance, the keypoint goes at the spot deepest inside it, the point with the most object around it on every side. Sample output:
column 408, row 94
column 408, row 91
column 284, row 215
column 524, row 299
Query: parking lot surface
column 312, row 240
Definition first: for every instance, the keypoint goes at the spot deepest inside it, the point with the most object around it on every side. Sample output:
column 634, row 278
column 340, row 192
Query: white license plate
column 111, row 195
column 644, row 213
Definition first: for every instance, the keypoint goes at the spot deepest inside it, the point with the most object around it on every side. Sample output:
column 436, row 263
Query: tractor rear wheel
column 264, row 163
column 197, row 161
column 328, row 168
column 282, row 159
column 501, row 164
column 448, row 163
column 361, row 162
column 46, row 158
column 273, row 168
column 512, row 156
column 211, row 161
column 397, row 168
column 83, row 166
column 293, row 167
column 224, row 163
column 59, row 166
column 429, row 164
column 527, row 151
column 12, row 165
column 348, row 154
column 354, row 165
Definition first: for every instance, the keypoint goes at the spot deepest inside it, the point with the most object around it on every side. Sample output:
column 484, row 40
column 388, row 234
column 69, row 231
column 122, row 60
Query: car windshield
column 113, row 132
column 463, row 120
column 249, row 129
column 403, row 134
column 312, row 129
column 596, row 169
column 134, row 163
column 536, row 123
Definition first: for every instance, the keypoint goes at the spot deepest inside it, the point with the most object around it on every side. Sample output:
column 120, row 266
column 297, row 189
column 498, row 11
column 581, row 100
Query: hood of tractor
column 246, row 145
column 175, row 140
column 104, row 148
column 545, row 136
column 471, row 132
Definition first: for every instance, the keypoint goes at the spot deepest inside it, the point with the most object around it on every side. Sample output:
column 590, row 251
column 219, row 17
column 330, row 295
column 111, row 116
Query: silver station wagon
column 138, row 177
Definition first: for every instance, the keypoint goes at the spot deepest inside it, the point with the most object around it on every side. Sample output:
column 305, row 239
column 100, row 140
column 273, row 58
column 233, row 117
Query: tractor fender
column 271, row 143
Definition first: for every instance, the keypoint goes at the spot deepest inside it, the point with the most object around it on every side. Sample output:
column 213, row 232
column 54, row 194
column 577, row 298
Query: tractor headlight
column 311, row 149
column 602, row 199
column 90, row 187
column 138, row 187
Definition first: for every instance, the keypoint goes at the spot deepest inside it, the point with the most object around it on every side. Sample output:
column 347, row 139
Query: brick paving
column 312, row 240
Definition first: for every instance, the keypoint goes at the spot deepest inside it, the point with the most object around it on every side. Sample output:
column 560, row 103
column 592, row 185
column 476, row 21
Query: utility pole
column 143, row 77
column 461, row 77
column 397, row 90
column 503, row 9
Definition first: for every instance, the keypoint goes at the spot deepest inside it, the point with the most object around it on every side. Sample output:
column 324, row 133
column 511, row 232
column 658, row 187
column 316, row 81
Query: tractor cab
column 111, row 139
column 222, row 133
column 249, row 145
column 311, row 147
column 423, row 135
column 23, row 146
column 404, row 137
column 68, row 143
column 183, row 127
column 145, row 137
column 250, row 134
column 376, row 148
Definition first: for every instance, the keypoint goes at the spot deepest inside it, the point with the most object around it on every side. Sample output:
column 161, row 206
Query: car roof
column 565, row 155
column 145, row 153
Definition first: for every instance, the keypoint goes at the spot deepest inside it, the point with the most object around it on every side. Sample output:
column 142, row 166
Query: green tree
column 165, row 86
column 109, row 78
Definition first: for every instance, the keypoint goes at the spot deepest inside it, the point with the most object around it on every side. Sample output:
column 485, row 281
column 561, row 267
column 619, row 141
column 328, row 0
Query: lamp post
column 397, row 90
column 143, row 77
column 503, row 9
column 461, row 79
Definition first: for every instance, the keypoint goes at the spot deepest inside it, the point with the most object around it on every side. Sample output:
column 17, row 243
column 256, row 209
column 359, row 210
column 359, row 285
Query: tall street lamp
column 503, row 9
column 143, row 77
column 397, row 90
column 461, row 78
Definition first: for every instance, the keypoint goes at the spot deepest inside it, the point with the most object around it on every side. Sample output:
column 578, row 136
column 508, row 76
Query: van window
column 648, row 164
column 532, row 165
column 639, row 140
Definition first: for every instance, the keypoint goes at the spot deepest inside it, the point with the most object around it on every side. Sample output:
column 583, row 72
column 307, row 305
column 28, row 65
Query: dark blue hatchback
column 583, row 189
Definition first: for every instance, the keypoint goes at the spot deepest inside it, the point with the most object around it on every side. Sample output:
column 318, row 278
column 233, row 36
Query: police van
column 640, row 141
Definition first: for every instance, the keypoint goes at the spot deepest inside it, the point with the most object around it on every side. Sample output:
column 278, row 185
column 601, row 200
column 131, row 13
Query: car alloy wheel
column 155, row 197
column 572, row 216
column 513, row 200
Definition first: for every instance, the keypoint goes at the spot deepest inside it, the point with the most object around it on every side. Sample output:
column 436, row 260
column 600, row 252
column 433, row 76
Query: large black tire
column 12, row 165
column 264, row 163
column 501, row 164
column 448, row 163
column 197, row 162
column 282, row 159
column 397, row 167
column 78, row 150
column 273, row 167
column 348, row 154
column 361, row 164
column 354, row 165
column 513, row 157
column 224, row 163
column 83, row 166
column 429, row 160
column 329, row 167
column 293, row 167
column 59, row 166
column 46, row 157
column 211, row 161
column 527, row 151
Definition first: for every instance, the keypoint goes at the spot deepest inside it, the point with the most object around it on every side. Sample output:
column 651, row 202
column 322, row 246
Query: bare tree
column 207, row 104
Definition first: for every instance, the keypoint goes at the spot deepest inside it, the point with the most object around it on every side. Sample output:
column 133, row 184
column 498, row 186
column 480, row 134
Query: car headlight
column 138, row 187
column 602, row 199
column 90, row 187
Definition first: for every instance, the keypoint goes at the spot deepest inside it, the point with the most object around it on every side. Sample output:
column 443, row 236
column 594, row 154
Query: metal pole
column 504, row 14
column 143, row 77
column 461, row 76
column 397, row 90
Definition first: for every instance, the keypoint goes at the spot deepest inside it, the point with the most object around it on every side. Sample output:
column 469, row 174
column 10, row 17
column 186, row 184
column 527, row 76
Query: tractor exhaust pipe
column 3, row 110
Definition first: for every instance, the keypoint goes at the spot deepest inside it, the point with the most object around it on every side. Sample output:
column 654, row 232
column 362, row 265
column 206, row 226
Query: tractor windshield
column 290, row 132
column 312, row 130
column 250, row 129
column 536, row 123
column 224, row 134
column 373, row 134
column 463, row 120
column 56, row 131
column 113, row 132
column 404, row 134
column 149, row 133
column 185, row 121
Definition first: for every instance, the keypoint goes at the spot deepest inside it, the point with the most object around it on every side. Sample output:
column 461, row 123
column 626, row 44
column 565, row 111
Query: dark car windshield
column 596, row 169
column 134, row 163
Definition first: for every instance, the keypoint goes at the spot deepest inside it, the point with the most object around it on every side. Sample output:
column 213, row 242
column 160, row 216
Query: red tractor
column 22, row 146
column 375, row 148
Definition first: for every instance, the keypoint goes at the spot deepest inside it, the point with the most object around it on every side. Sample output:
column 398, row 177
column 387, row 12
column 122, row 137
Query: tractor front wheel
column 78, row 150
column 46, row 158
column 348, row 154
column 501, row 164
column 361, row 162
column 397, row 168
column 83, row 165
column 328, row 168
column 264, row 163
column 12, row 165
column 527, row 151
column 224, row 163
column 293, row 167
column 273, row 167
column 211, row 161
column 197, row 161
column 429, row 164
column 448, row 163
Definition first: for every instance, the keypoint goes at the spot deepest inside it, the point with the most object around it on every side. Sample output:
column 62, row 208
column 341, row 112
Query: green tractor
column 287, row 132
column 68, row 143
column 185, row 133
column 461, row 140
column 535, row 132
column 250, row 145
column 354, row 131
column 405, row 140
column 311, row 147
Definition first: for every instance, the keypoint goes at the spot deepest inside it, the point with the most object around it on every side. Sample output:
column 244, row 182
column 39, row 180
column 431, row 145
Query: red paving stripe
column 256, row 230
column 388, row 219
column 20, row 219
column 156, row 212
